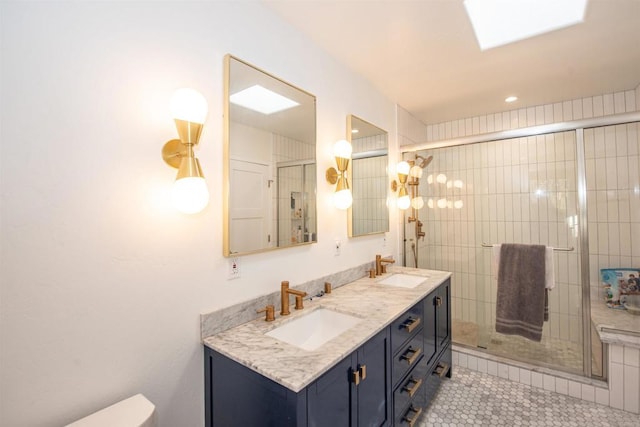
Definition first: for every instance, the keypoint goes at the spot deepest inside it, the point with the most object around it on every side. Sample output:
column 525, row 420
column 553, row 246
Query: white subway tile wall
column 370, row 180
column 583, row 108
column 613, row 198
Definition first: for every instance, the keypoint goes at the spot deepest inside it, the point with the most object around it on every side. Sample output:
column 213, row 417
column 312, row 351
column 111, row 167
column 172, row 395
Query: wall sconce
column 404, row 200
column 342, row 198
column 189, row 193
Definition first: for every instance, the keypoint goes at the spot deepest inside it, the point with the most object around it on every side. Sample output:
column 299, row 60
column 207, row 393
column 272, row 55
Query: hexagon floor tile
column 471, row 398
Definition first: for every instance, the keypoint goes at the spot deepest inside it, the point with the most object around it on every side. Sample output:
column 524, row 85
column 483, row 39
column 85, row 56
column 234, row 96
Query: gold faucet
column 284, row 298
column 380, row 267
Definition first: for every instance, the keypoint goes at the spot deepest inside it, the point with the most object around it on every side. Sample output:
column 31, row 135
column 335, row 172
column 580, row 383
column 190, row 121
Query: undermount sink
column 403, row 280
column 312, row 330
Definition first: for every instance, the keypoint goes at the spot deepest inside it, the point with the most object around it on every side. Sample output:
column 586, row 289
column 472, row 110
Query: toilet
column 135, row 411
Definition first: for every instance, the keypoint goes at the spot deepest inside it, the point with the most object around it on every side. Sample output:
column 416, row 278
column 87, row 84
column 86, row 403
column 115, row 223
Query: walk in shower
column 576, row 189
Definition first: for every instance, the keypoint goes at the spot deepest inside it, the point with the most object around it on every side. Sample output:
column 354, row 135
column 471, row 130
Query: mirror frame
column 226, row 160
column 350, row 118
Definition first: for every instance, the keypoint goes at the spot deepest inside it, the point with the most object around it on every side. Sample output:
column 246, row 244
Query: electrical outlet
column 234, row 268
column 337, row 248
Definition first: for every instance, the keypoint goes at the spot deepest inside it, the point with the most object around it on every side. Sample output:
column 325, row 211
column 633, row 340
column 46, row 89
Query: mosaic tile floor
column 471, row 398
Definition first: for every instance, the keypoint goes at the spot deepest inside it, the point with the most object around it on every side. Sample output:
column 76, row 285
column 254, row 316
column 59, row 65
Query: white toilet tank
column 135, row 411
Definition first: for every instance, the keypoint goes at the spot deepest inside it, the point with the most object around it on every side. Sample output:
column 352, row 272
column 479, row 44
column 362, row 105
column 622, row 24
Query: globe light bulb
column 430, row 203
column 442, row 203
column 441, row 178
column 404, row 202
column 403, row 168
column 342, row 149
column 342, row 199
column 458, row 204
column 189, row 105
column 190, row 195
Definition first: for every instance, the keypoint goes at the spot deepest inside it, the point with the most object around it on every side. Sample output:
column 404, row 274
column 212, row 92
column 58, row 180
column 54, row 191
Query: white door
column 249, row 206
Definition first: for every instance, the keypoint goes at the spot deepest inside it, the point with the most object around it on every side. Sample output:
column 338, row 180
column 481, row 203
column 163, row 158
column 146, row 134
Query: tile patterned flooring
column 472, row 398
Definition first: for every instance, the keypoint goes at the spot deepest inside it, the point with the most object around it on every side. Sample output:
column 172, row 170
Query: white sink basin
column 312, row 330
column 403, row 280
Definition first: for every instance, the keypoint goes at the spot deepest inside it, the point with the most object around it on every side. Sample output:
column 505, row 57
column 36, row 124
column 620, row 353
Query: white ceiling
column 423, row 54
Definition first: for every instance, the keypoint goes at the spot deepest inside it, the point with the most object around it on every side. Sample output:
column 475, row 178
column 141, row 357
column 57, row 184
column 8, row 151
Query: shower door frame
column 578, row 126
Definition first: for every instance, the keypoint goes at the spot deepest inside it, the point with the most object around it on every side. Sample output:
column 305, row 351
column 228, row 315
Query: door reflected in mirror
column 369, row 213
column 270, row 162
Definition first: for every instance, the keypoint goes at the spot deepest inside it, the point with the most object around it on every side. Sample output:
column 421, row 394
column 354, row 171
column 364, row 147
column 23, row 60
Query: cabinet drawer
column 437, row 373
column 406, row 326
column 407, row 358
column 412, row 414
column 410, row 388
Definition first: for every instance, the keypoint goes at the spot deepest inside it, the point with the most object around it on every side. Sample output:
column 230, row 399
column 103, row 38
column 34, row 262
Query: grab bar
column 485, row 245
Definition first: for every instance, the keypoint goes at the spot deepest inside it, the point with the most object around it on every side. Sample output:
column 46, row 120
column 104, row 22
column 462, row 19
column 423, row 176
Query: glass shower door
column 521, row 190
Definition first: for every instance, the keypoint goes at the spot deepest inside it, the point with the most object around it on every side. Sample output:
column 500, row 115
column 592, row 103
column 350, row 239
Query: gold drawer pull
column 441, row 369
column 363, row 372
column 355, row 377
column 416, row 386
column 415, row 353
column 438, row 301
column 410, row 324
column 412, row 421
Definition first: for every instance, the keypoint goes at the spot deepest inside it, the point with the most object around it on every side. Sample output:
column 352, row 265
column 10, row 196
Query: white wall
column 102, row 281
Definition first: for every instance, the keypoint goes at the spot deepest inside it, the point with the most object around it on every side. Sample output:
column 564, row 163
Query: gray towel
column 520, row 308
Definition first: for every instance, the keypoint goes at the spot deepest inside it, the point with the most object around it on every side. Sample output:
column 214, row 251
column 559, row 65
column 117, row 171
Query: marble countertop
column 378, row 305
column 614, row 326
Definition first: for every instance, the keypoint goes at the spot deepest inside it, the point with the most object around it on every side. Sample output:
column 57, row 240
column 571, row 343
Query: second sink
column 403, row 280
column 312, row 330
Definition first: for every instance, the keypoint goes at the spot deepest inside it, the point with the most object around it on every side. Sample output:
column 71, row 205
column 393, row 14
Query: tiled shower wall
column 577, row 109
column 613, row 197
column 520, row 190
column 369, row 176
column 368, row 183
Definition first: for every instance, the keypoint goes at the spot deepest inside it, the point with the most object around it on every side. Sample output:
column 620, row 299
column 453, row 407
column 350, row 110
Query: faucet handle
column 270, row 313
column 299, row 303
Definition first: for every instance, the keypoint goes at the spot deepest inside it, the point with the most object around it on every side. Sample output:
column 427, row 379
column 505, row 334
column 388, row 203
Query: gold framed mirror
column 269, row 162
column 369, row 213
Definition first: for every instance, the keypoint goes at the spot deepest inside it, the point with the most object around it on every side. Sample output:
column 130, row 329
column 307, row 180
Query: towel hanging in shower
column 520, row 306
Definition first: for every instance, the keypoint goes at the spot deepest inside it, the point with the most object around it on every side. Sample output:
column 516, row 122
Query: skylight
column 499, row 22
column 262, row 100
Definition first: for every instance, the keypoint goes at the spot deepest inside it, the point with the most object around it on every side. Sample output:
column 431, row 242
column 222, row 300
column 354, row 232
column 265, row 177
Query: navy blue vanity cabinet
column 437, row 313
column 354, row 392
column 357, row 391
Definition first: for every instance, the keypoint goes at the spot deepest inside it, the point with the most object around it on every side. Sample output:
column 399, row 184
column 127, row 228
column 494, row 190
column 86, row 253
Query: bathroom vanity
column 382, row 370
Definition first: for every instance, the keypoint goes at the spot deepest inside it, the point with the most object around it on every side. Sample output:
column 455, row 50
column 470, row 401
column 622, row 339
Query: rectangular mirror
column 269, row 161
column 369, row 213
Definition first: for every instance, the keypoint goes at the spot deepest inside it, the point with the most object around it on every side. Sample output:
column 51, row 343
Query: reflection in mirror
column 270, row 162
column 369, row 180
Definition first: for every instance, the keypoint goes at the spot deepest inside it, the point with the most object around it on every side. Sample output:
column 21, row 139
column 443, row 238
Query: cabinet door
column 374, row 390
column 430, row 327
column 443, row 310
column 330, row 399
